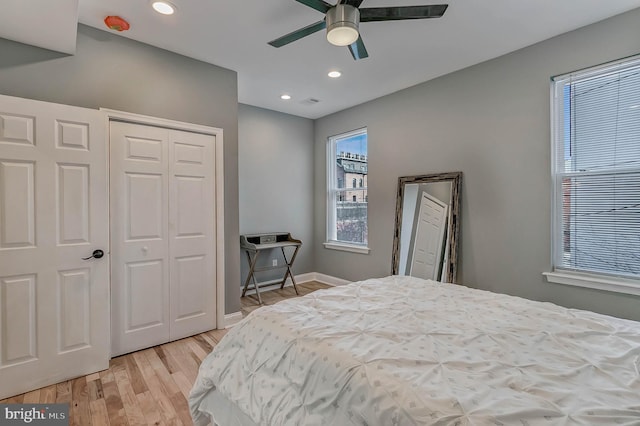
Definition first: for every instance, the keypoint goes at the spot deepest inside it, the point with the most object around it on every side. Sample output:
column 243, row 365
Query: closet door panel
column 192, row 233
column 140, row 241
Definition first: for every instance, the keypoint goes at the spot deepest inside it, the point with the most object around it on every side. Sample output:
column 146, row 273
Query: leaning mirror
column 425, row 242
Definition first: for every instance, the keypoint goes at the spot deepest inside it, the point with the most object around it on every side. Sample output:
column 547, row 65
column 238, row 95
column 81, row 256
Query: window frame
column 331, row 241
column 562, row 275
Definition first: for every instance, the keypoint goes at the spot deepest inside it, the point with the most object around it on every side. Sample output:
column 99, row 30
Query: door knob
column 96, row 253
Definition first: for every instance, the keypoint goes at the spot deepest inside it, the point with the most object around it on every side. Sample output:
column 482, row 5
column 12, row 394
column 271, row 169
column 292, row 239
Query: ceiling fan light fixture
column 342, row 36
column 342, row 25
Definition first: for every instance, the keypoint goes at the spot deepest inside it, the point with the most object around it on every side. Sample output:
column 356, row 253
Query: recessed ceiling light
column 334, row 74
column 163, row 7
column 285, row 97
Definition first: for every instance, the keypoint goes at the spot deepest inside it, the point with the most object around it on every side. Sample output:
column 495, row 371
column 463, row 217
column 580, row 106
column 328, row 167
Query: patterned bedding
column 405, row 351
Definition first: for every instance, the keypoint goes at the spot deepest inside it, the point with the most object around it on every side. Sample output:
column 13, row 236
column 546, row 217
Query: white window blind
column 596, row 162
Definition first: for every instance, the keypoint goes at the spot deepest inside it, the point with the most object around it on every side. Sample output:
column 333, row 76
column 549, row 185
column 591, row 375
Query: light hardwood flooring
column 148, row 387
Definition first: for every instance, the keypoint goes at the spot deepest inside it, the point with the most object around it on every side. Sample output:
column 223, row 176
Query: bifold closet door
column 54, row 305
column 139, row 236
column 163, row 235
column 192, row 243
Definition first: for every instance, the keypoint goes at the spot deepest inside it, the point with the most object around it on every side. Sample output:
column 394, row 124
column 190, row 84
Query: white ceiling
column 50, row 24
column 234, row 34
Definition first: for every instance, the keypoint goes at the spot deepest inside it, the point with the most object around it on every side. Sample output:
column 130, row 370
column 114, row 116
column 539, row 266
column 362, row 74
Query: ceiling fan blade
column 357, row 49
column 354, row 3
column 298, row 34
column 318, row 5
column 373, row 14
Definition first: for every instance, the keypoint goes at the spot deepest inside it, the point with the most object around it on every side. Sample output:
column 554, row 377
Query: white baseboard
column 264, row 286
column 303, row 278
column 232, row 319
column 327, row 279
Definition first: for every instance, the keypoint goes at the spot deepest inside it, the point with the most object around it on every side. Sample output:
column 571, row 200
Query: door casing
column 115, row 115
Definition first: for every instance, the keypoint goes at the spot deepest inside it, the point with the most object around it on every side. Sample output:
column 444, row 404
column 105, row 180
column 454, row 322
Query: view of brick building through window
column 352, row 199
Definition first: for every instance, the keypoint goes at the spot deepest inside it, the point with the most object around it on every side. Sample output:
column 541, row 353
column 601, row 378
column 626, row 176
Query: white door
column 54, row 306
column 139, row 236
column 428, row 240
column 163, row 235
column 192, row 240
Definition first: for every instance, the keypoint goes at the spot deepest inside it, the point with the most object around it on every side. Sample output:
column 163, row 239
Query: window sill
column 598, row 282
column 347, row 247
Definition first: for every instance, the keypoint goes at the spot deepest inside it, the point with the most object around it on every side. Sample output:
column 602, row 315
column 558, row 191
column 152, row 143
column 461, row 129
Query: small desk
column 253, row 244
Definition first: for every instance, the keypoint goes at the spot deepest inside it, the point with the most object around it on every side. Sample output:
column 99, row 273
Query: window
column 347, row 207
column 596, row 177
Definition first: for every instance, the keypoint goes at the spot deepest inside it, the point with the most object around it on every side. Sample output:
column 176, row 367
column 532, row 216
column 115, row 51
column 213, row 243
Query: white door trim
column 115, row 115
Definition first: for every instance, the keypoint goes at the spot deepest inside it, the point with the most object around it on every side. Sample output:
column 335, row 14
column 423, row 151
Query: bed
column 405, row 351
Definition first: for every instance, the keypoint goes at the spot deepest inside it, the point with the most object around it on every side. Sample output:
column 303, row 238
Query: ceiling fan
column 342, row 20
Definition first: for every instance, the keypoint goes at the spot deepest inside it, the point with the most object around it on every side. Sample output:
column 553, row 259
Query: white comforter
column 404, row 351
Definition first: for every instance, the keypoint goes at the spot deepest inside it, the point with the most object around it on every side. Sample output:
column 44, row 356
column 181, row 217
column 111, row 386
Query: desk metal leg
column 288, row 273
column 251, row 276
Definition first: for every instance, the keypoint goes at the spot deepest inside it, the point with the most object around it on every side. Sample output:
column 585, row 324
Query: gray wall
column 491, row 121
column 276, row 182
column 115, row 72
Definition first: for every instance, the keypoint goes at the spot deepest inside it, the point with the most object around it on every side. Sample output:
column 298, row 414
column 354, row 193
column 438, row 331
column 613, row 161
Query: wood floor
column 148, row 387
